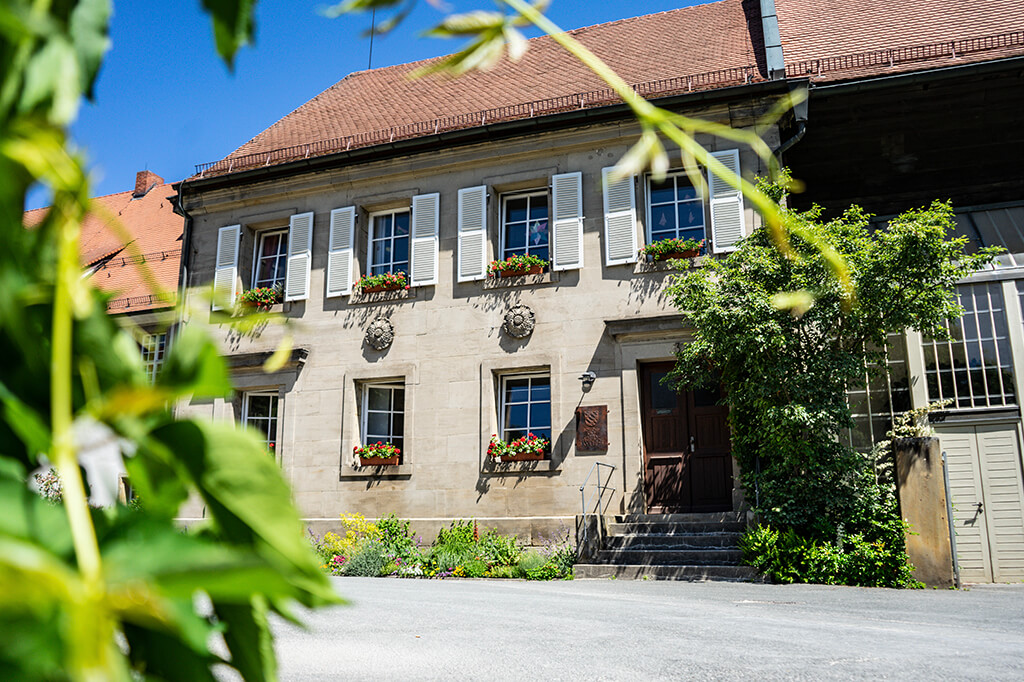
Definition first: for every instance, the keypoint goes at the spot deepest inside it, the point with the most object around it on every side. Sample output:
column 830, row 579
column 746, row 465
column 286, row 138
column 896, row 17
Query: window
column 675, row 209
column 152, row 349
column 271, row 259
column 875, row 402
column 524, row 224
column 389, row 242
column 525, row 407
column 974, row 369
column 260, row 411
column 383, row 414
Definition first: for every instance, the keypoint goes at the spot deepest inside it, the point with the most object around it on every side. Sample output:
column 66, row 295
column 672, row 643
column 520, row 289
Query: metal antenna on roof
column 373, row 29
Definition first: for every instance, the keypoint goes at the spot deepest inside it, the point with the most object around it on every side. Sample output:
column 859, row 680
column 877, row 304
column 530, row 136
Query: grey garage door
column 988, row 500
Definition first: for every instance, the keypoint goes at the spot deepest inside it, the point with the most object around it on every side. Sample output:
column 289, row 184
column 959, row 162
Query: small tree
column 777, row 332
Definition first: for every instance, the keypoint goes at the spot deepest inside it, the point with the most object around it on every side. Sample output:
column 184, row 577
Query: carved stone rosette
column 519, row 322
column 380, row 334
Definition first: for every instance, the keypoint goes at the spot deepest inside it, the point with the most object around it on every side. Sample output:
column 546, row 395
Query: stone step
column 674, row 527
column 692, row 517
column 686, row 572
column 671, row 557
column 687, row 541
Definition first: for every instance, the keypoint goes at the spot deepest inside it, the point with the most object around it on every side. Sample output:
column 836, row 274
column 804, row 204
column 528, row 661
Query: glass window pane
column 540, row 389
column 379, row 399
column 662, row 219
column 515, row 236
column 516, row 416
column 517, row 390
column 540, row 416
column 383, row 227
column 662, row 397
column 401, row 250
column 401, row 221
column 685, row 189
column 378, row 426
column 538, row 208
column 397, row 425
column 516, row 210
column 691, row 215
column 662, row 192
column 259, row 406
column 538, row 233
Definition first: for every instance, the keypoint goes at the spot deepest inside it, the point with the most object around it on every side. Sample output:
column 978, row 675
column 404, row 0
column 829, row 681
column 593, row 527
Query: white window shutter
column 619, row 218
column 340, row 251
column 567, row 202
column 472, row 233
column 225, row 277
column 300, row 250
column 423, row 246
column 726, row 205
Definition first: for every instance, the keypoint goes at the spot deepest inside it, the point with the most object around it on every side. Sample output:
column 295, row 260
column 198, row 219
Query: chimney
column 145, row 181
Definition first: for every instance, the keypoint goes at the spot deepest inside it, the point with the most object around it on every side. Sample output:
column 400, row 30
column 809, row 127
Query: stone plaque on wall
column 592, row 428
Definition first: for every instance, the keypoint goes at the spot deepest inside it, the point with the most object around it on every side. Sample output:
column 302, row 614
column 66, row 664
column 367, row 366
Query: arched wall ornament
column 380, row 334
column 519, row 322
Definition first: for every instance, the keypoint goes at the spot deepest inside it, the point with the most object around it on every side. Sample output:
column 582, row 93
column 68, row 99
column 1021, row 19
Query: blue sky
column 165, row 102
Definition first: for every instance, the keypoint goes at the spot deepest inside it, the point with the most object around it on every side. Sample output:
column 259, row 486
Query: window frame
column 520, row 194
column 372, row 221
column 158, row 348
column 259, row 236
column 702, row 197
column 274, row 437
column 503, row 379
column 364, row 411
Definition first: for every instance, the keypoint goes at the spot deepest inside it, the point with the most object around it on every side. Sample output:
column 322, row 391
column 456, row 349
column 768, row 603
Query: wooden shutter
column 567, row 204
column 619, row 218
column 472, row 233
column 300, row 249
column 423, row 246
column 726, row 205
column 225, row 277
column 340, row 251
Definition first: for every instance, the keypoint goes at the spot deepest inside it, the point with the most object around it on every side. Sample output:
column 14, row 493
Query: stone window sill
column 357, row 298
column 492, row 468
column 643, row 267
column 348, row 470
column 549, row 277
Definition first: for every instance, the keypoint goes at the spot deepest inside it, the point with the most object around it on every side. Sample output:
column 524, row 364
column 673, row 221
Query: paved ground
column 646, row 630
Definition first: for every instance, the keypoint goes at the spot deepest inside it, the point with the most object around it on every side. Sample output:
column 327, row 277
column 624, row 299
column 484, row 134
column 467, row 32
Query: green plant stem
column 61, row 409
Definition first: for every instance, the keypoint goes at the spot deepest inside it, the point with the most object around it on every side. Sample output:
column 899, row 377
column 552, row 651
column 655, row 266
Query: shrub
column 530, row 562
column 368, row 561
column 501, row 550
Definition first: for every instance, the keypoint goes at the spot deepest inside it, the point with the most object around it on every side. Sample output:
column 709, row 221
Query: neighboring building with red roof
column 436, row 178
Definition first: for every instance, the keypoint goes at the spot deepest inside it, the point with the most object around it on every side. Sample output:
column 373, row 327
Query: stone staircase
column 662, row 547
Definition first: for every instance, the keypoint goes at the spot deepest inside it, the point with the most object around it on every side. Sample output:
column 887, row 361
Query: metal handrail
column 600, row 493
column 600, row 488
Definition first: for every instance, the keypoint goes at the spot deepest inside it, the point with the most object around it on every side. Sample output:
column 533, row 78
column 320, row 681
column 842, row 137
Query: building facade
column 436, row 179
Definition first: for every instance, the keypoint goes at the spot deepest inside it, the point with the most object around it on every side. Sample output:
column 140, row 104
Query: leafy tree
column 787, row 360
column 107, row 594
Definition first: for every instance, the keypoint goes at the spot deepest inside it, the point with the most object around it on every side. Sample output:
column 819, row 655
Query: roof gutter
column 186, row 240
column 930, row 75
column 488, row 132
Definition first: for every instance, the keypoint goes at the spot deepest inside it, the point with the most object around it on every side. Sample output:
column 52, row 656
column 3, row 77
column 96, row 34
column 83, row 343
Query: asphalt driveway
column 647, row 630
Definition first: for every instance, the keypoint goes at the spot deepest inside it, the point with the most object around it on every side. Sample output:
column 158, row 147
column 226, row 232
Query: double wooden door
column 687, row 454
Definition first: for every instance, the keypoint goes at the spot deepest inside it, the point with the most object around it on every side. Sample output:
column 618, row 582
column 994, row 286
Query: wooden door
column 687, row 460
column 986, row 485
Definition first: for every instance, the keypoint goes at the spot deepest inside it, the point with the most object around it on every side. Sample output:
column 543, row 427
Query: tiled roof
column 706, row 46
column 832, row 40
column 685, row 42
column 154, row 236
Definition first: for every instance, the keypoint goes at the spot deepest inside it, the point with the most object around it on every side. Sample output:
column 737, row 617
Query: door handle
column 980, row 509
column 693, row 442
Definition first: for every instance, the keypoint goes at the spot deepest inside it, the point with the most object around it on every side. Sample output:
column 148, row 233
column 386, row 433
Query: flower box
column 521, row 457
column 378, row 461
column 379, row 454
column 692, row 253
column 386, row 281
column 517, row 266
column 261, row 297
column 535, row 270
column 380, row 287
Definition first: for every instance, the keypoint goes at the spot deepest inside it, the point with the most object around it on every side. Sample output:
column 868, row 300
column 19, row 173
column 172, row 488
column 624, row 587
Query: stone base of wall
column 535, row 531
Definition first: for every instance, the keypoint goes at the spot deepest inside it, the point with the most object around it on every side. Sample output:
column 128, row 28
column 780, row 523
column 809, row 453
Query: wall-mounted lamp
column 588, row 378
